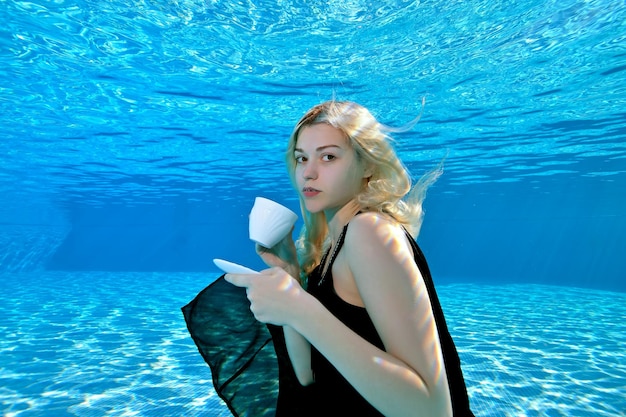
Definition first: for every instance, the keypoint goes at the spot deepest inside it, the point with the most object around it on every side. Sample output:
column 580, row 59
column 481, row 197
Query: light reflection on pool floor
column 116, row 343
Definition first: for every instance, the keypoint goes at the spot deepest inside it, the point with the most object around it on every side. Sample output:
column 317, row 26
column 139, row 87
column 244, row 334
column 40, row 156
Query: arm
column 299, row 350
column 283, row 255
column 408, row 378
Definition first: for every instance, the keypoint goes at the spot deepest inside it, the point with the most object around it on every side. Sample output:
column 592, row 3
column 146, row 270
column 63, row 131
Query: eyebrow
column 319, row 149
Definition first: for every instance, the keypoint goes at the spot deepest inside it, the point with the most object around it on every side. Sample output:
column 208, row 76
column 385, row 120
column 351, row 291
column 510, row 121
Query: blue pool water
column 135, row 136
column 97, row 343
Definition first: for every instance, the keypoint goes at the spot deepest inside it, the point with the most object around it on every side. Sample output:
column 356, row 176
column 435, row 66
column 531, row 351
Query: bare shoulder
column 371, row 228
column 375, row 241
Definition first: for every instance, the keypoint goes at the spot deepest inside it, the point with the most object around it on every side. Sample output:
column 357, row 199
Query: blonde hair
column 389, row 189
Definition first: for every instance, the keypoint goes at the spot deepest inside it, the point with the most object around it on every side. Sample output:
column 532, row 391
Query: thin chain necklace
column 338, row 245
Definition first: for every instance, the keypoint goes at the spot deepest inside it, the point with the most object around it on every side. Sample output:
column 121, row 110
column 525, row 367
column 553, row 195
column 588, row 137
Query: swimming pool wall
column 496, row 233
column 30, row 233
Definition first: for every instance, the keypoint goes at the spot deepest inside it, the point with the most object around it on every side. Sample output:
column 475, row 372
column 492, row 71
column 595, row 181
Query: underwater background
column 135, row 136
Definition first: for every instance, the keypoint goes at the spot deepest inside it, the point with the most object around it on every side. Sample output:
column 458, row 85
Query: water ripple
column 104, row 73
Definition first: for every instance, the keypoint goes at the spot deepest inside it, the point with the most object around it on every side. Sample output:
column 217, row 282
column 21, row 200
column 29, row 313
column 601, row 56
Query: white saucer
column 233, row 268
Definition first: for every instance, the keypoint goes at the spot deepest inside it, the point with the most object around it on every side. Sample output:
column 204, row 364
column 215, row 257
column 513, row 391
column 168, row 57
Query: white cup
column 270, row 222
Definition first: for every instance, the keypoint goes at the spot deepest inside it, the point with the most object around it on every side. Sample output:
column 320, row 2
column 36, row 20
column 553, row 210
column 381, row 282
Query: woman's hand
column 282, row 255
column 274, row 294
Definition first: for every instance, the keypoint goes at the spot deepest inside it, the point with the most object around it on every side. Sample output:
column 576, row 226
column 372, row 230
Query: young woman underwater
column 362, row 324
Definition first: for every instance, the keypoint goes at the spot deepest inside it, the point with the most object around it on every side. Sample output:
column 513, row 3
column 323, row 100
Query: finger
column 260, row 249
column 239, row 280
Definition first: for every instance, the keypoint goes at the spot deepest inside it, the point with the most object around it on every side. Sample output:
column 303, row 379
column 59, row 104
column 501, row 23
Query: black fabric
column 333, row 387
column 452, row 362
column 339, row 397
column 247, row 357
column 243, row 354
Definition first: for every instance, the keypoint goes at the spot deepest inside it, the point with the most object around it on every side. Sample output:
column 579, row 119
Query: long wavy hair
column 389, row 189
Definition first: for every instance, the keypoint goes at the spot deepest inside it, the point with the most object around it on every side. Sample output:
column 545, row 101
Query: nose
column 310, row 171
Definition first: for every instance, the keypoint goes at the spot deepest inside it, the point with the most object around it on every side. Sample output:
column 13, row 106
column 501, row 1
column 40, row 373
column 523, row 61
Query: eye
column 300, row 159
column 328, row 157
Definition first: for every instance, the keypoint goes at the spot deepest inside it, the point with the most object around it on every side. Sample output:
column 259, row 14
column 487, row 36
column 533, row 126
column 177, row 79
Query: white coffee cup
column 270, row 222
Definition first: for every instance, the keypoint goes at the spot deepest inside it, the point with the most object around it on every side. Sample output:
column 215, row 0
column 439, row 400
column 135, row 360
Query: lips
column 310, row 192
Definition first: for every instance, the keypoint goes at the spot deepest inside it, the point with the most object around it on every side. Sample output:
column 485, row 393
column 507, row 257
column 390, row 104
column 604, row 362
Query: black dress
column 335, row 396
column 250, row 366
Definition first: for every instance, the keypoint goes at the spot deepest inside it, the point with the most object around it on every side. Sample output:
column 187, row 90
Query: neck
column 337, row 219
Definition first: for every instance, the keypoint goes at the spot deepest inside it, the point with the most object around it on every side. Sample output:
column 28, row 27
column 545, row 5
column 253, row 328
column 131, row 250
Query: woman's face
column 328, row 173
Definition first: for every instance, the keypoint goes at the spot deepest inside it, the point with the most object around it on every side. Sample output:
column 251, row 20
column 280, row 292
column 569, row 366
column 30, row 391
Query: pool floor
column 101, row 343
